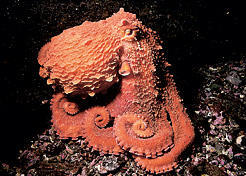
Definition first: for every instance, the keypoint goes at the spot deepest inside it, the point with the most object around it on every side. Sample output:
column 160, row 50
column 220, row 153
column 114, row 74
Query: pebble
column 234, row 79
column 107, row 164
column 241, row 141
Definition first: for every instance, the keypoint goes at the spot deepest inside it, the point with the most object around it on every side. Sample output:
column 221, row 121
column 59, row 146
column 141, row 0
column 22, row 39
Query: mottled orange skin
column 84, row 59
column 135, row 119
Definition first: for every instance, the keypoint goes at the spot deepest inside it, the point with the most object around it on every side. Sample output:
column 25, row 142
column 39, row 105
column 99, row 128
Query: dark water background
column 195, row 33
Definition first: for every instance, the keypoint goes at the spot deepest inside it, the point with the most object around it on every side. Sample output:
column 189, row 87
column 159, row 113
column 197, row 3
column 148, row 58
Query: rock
column 233, row 78
column 107, row 164
column 241, row 142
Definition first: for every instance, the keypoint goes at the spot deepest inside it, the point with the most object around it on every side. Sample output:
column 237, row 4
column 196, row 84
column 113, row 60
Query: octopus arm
column 183, row 135
column 98, row 133
column 142, row 137
column 65, row 117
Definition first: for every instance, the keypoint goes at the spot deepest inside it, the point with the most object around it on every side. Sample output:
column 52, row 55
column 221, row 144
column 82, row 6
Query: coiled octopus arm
column 139, row 135
column 183, row 135
column 66, row 117
column 98, row 132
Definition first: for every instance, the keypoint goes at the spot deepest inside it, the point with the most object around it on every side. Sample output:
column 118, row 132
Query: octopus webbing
column 113, row 88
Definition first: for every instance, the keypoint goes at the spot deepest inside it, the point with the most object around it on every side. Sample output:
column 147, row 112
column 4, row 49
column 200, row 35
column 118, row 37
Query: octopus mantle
column 112, row 88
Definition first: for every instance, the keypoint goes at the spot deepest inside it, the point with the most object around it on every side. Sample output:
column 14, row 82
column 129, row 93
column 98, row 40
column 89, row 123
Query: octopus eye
column 129, row 32
column 124, row 22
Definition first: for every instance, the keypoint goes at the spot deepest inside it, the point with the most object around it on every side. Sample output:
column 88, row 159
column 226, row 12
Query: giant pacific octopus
column 113, row 88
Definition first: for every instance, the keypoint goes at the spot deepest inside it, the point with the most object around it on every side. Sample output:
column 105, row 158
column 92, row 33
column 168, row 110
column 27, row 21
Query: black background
column 195, row 33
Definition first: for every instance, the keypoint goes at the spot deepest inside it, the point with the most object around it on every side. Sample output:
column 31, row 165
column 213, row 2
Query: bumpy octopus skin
column 144, row 116
column 84, row 59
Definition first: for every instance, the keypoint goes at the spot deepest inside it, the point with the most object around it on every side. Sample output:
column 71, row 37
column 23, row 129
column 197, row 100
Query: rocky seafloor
column 219, row 148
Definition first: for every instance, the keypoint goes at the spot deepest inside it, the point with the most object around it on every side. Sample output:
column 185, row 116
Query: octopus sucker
column 157, row 165
column 126, row 99
column 97, row 134
column 141, row 129
column 140, row 137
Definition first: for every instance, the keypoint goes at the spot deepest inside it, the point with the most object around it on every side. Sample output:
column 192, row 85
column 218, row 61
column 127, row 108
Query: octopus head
column 86, row 59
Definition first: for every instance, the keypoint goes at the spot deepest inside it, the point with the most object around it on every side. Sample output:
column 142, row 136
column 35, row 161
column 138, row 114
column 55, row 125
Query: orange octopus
column 113, row 88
